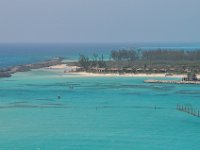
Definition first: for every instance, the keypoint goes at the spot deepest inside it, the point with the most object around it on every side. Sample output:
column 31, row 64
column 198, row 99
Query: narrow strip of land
column 8, row 71
column 172, row 82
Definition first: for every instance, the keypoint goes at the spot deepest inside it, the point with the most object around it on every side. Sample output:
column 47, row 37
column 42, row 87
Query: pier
column 188, row 109
column 171, row 82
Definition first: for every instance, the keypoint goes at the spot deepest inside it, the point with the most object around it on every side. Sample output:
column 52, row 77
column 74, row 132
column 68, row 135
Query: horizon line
column 150, row 42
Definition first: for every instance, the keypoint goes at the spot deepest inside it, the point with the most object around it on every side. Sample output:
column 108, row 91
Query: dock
column 171, row 82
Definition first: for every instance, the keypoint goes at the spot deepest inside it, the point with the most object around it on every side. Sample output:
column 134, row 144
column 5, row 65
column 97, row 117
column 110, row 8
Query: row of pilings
column 188, row 109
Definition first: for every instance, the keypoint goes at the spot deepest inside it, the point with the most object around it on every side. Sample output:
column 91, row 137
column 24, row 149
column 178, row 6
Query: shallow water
column 114, row 113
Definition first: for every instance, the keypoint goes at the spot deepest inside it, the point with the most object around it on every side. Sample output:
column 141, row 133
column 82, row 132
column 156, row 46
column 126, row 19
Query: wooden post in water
column 177, row 107
column 188, row 109
column 194, row 112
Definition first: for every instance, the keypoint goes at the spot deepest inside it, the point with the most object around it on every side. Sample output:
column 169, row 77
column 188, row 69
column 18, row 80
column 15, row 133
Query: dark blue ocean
column 15, row 54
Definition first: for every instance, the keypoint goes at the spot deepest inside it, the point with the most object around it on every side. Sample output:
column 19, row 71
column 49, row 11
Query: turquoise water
column 95, row 113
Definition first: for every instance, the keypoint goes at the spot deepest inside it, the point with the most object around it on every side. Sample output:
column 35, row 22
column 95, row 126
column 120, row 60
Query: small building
column 100, row 70
column 114, row 70
column 172, row 69
column 147, row 69
column 128, row 70
column 139, row 70
column 187, row 70
column 163, row 70
column 155, row 70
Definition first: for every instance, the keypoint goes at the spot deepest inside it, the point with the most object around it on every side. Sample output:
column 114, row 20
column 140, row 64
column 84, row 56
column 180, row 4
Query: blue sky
column 99, row 21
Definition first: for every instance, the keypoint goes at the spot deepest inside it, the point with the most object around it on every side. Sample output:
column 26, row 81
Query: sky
column 99, row 21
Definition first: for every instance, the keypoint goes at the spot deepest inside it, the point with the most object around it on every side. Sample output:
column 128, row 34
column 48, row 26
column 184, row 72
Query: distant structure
column 191, row 76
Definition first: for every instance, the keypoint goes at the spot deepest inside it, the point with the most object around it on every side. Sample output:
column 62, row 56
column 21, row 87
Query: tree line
column 124, row 55
column 155, row 55
column 96, row 61
column 132, row 55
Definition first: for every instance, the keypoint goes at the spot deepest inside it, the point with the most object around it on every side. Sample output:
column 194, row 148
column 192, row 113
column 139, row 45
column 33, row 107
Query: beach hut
column 172, row 69
column 163, row 70
column 128, row 70
column 139, row 70
column 114, row 70
column 155, row 70
column 100, row 70
column 187, row 70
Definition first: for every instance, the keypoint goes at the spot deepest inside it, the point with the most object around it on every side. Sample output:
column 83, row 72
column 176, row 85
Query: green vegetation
column 84, row 62
column 87, row 64
column 124, row 55
column 155, row 55
column 144, row 61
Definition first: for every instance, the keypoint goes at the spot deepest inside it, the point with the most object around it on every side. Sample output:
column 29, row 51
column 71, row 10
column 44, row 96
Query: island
column 158, row 62
column 127, row 62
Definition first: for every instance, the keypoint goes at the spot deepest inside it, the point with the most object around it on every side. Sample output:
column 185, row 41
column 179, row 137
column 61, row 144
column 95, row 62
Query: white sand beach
column 72, row 70
column 87, row 74
column 61, row 66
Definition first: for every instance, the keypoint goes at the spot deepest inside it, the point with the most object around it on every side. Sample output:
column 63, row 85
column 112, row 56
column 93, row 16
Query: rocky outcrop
column 7, row 72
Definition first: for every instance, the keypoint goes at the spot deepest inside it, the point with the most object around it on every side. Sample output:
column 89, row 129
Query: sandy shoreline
column 87, row 74
column 69, row 70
